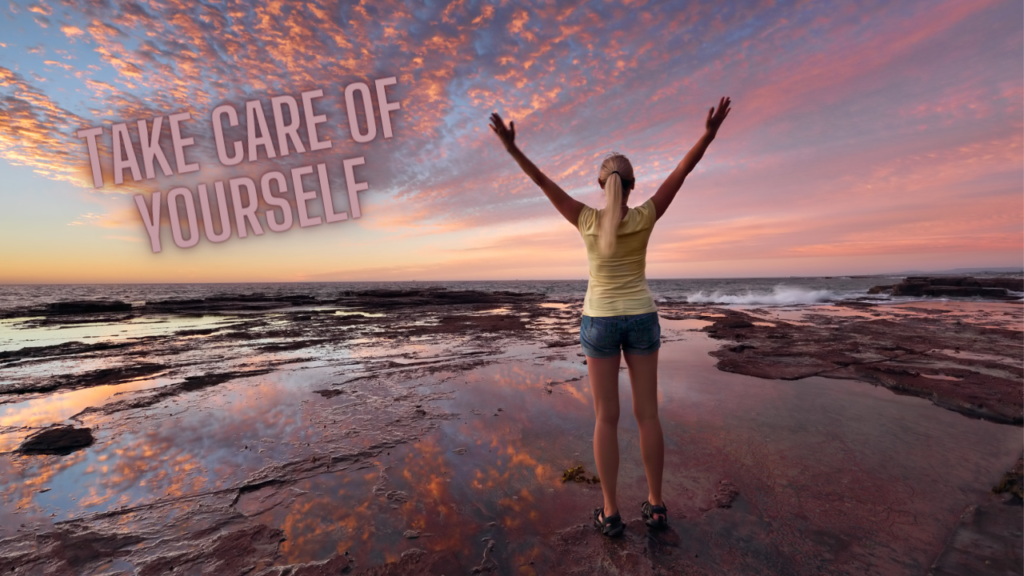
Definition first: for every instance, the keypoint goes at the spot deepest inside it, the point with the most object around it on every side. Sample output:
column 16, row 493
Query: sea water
column 734, row 291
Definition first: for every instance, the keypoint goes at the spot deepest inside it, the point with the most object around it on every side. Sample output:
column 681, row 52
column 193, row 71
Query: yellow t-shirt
column 618, row 285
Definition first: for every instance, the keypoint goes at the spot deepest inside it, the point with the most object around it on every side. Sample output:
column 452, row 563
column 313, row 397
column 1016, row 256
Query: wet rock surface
column 988, row 535
column 960, row 366
column 99, row 377
column 295, row 435
column 726, row 494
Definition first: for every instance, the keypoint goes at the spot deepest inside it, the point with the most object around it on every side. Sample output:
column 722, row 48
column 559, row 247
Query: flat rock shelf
column 429, row 431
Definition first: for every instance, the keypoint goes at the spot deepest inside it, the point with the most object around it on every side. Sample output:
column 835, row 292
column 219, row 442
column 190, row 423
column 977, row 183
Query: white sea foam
column 781, row 295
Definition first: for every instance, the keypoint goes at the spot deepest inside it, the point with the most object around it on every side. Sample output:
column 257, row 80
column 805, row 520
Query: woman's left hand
column 507, row 135
column 715, row 118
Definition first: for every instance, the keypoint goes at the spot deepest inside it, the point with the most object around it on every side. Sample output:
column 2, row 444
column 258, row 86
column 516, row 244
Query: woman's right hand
column 507, row 135
column 715, row 119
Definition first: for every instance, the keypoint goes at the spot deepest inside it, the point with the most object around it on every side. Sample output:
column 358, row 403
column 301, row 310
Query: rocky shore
column 425, row 431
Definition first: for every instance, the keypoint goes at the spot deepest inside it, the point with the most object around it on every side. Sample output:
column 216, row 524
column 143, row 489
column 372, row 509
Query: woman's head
column 616, row 162
column 616, row 177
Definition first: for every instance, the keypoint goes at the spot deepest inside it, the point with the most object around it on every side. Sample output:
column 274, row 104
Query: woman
column 619, row 315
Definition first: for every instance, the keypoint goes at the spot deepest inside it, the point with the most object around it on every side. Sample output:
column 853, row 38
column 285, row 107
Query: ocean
column 736, row 291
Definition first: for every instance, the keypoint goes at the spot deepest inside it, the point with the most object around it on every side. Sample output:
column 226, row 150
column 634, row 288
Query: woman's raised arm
column 667, row 192
column 568, row 206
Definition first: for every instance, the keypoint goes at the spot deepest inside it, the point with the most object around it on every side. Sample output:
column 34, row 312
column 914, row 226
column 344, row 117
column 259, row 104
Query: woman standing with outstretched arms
column 619, row 314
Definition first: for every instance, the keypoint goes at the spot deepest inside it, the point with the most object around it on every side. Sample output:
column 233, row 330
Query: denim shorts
column 606, row 336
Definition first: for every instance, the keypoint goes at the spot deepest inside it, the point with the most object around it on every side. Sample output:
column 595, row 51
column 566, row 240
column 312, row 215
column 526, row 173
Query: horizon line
column 999, row 270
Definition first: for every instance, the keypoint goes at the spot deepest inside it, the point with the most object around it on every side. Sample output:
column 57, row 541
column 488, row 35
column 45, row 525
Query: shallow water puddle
column 209, row 439
column 975, row 356
column 358, row 313
column 187, row 444
column 557, row 305
column 21, row 333
column 942, row 377
column 488, row 473
column 62, row 405
column 685, row 324
column 825, row 469
column 836, row 458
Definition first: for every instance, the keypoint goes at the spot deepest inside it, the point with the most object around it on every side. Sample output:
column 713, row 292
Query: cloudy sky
column 865, row 137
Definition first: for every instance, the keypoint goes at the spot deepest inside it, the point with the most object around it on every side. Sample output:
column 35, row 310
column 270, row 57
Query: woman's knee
column 646, row 415
column 608, row 415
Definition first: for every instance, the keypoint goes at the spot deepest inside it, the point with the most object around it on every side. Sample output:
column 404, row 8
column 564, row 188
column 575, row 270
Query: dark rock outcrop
column 99, row 377
column 953, row 286
column 58, row 440
column 387, row 299
column 87, row 307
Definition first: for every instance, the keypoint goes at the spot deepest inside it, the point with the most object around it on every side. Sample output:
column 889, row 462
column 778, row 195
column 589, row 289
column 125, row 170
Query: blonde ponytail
column 616, row 177
column 610, row 216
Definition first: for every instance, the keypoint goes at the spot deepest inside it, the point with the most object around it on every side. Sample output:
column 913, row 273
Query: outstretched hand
column 566, row 205
column 507, row 135
column 715, row 118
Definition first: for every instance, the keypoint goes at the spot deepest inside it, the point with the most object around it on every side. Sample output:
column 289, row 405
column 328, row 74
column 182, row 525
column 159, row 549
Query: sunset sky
column 864, row 137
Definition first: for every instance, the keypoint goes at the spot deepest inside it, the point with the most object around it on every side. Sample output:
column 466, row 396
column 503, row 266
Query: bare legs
column 604, row 383
column 643, row 375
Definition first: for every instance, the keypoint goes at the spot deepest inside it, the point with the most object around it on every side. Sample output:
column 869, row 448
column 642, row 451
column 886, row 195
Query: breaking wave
column 779, row 296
